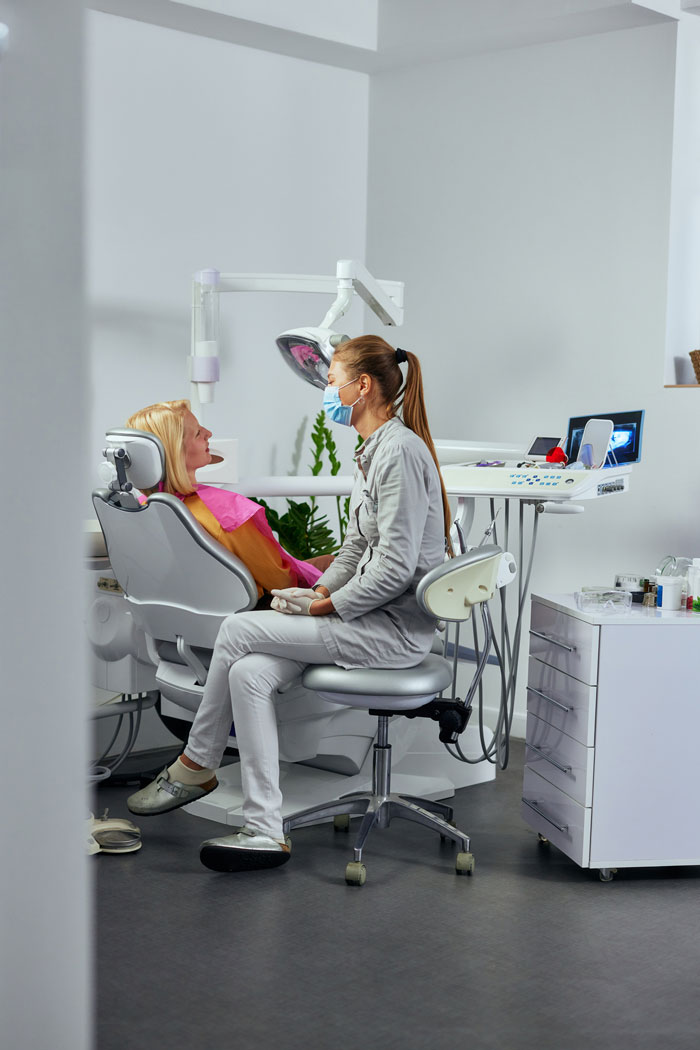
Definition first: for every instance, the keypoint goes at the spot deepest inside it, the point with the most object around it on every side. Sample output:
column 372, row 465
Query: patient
column 237, row 523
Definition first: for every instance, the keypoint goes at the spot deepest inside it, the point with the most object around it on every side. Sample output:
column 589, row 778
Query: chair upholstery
column 402, row 689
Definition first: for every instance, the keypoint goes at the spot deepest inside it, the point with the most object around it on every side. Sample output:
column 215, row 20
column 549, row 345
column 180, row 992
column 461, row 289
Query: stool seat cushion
column 410, row 685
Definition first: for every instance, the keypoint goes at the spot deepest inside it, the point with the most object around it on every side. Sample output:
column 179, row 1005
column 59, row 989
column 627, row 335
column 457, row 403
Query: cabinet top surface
column 637, row 615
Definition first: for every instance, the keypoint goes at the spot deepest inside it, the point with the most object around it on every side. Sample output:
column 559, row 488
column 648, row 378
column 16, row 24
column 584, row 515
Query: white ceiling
column 388, row 34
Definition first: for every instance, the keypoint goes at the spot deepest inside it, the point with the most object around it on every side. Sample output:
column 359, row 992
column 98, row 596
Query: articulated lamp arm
column 385, row 298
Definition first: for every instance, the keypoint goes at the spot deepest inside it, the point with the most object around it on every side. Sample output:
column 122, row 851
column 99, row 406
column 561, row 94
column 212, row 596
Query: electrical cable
column 101, row 772
column 497, row 751
column 115, row 734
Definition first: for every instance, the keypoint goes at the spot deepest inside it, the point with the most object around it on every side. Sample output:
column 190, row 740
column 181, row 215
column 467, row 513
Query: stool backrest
column 450, row 591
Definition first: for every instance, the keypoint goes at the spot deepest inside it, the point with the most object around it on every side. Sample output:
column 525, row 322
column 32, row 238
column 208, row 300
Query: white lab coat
column 395, row 535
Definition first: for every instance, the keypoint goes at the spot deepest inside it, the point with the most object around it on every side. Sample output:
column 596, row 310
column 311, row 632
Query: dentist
column 362, row 612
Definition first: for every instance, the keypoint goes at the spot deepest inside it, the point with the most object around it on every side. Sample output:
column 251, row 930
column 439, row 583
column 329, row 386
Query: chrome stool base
column 380, row 806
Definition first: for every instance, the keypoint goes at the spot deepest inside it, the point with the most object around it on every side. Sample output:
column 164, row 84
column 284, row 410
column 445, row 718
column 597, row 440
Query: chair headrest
column 144, row 463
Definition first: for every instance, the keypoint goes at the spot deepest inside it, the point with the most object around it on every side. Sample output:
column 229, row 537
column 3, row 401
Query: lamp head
column 308, row 352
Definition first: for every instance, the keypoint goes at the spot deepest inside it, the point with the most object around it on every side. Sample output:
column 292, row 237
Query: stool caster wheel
column 543, row 841
column 464, row 863
column 355, row 873
column 341, row 822
column 606, row 874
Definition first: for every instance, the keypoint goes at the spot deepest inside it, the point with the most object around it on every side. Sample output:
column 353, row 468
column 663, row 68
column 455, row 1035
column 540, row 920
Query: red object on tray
column 557, row 455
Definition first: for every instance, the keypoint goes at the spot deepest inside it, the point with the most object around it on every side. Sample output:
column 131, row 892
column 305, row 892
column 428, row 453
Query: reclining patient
column 237, row 523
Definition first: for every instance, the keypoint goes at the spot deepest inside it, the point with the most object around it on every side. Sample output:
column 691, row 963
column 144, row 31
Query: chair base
column 379, row 811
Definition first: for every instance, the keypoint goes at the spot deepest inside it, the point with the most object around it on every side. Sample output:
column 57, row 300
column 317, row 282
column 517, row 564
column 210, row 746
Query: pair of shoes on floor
column 107, row 834
column 164, row 794
column 247, row 850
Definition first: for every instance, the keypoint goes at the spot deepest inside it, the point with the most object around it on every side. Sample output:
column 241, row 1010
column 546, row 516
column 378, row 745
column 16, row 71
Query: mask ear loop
column 360, row 400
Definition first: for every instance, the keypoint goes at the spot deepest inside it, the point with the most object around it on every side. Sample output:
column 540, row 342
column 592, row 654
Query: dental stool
column 448, row 593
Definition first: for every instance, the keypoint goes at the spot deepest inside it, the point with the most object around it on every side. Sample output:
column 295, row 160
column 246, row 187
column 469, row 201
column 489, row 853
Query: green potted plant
column 302, row 529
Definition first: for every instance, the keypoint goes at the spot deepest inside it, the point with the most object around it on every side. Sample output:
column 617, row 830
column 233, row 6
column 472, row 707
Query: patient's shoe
column 164, row 794
column 247, row 850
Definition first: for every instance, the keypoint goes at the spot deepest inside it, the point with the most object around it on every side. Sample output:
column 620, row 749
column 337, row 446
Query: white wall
column 683, row 316
column 45, row 983
column 203, row 153
column 524, row 198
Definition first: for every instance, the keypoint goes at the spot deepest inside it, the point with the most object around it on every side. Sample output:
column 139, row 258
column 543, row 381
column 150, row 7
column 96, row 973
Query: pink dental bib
column 232, row 510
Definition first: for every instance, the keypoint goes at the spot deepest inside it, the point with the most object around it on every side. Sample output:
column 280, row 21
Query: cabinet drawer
column 560, row 759
column 564, row 642
column 556, row 816
column 562, row 701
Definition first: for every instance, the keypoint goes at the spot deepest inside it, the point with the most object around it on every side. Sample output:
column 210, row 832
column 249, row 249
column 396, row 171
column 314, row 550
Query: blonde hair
column 372, row 355
column 166, row 420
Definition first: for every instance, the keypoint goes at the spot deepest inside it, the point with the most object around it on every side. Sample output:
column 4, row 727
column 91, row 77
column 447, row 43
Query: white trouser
column 255, row 653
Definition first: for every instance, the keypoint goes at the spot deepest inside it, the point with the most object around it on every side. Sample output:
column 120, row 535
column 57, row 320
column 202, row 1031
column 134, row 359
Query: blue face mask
column 334, row 408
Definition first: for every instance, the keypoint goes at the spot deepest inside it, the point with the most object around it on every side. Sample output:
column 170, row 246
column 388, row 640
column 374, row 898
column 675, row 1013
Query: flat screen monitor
column 626, row 440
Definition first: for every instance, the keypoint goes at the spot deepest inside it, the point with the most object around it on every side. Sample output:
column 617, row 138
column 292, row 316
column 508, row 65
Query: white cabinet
column 612, row 776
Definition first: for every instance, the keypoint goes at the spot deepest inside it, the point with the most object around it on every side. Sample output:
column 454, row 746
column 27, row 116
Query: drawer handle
column 542, row 754
column 562, row 645
column 549, row 699
column 533, row 804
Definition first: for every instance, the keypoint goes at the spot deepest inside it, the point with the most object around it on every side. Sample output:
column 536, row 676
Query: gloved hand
column 294, row 601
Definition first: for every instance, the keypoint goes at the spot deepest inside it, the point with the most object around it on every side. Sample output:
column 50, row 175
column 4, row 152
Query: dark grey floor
column 531, row 952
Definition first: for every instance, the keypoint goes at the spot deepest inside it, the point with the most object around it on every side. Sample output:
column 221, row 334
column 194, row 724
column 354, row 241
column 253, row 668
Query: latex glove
column 294, row 601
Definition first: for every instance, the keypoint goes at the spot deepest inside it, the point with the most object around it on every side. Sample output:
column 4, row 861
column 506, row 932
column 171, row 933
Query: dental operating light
column 307, row 351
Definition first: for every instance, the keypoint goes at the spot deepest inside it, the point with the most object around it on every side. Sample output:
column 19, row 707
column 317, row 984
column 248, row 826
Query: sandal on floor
column 247, row 850
column 112, row 835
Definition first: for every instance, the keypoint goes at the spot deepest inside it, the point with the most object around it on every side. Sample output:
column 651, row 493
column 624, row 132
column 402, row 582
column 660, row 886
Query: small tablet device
column 540, row 446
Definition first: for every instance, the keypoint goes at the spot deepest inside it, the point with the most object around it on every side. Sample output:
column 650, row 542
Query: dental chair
column 179, row 584
column 448, row 592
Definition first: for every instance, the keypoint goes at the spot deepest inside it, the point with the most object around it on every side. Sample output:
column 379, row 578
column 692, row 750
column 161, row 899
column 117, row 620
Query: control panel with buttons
column 534, row 483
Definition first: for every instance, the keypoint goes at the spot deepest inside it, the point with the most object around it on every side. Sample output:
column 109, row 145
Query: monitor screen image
column 626, row 440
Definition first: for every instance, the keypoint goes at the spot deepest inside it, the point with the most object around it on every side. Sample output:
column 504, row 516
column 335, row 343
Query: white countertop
column 637, row 615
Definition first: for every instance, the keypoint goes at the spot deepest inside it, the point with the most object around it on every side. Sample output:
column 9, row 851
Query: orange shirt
column 262, row 559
